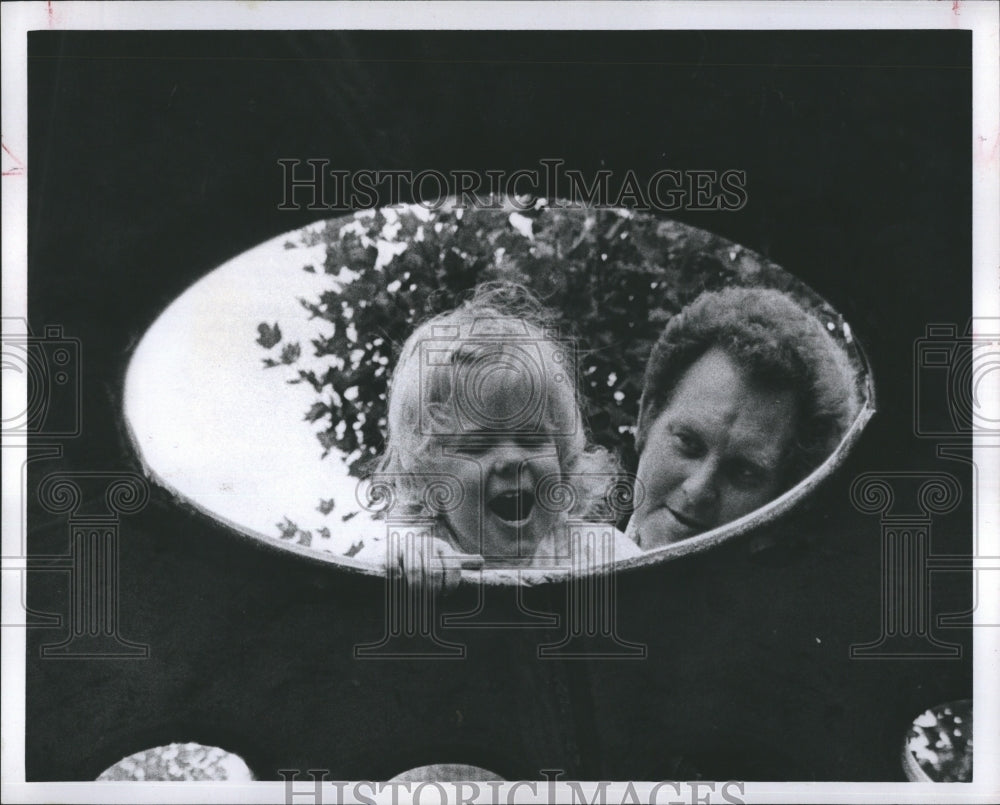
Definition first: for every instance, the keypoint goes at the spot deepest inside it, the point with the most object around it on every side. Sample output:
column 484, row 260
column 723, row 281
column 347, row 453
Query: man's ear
column 643, row 422
column 794, row 464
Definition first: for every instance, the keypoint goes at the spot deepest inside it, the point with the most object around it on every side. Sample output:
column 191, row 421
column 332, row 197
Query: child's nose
column 508, row 456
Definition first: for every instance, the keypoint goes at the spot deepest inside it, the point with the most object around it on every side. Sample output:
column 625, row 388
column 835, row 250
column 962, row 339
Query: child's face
column 500, row 516
column 493, row 407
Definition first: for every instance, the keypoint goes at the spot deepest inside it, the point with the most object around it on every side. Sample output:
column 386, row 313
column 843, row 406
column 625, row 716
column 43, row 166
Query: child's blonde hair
column 437, row 391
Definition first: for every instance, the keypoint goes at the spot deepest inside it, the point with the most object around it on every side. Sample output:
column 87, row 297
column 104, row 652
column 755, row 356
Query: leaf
column 325, row 506
column 328, row 440
column 311, row 379
column 349, row 516
column 353, row 550
column 290, row 353
column 318, row 411
column 269, row 336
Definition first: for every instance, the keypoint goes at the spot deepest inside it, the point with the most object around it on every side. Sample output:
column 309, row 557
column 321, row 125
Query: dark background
column 153, row 158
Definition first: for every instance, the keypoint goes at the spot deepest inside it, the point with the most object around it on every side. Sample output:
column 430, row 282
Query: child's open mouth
column 512, row 507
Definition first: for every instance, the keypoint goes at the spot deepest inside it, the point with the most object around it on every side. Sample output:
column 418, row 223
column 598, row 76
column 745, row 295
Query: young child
column 486, row 444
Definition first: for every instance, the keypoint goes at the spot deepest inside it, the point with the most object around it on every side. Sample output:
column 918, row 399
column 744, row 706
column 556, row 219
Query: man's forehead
column 755, row 424
column 762, row 444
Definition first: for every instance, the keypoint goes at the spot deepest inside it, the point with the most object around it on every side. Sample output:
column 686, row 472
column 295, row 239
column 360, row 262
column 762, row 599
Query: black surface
column 153, row 158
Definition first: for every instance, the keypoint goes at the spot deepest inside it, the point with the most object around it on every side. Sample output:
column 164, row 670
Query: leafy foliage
column 291, row 531
column 613, row 278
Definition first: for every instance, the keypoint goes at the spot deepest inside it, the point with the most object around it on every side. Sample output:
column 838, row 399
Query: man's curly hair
column 780, row 346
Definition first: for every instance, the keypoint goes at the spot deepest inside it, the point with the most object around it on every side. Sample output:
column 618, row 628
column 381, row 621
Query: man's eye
column 687, row 443
column 748, row 475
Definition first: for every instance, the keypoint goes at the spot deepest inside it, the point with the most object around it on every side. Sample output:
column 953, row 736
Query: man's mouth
column 688, row 522
column 512, row 507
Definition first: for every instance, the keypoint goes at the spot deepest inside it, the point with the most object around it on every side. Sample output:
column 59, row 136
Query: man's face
column 713, row 454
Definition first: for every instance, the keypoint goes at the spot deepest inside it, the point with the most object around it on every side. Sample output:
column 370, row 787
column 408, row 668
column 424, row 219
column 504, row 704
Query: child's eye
column 471, row 448
column 534, row 441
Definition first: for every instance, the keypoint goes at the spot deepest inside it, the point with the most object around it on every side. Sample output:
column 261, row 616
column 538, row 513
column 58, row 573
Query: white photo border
column 979, row 17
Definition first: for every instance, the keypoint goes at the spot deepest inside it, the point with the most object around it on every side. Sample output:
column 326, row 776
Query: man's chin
column 660, row 527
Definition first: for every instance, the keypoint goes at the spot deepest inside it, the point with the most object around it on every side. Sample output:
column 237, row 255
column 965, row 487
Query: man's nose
column 701, row 488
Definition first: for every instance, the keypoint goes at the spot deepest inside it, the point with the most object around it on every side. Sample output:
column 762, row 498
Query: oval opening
column 257, row 396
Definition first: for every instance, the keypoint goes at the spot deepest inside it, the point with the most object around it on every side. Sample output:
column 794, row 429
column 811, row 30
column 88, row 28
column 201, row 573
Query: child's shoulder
column 606, row 541
column 584, row 543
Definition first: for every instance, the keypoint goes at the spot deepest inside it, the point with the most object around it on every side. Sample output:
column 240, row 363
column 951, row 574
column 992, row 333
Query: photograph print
column 494, row 405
